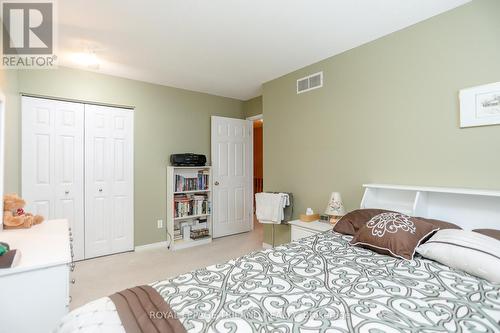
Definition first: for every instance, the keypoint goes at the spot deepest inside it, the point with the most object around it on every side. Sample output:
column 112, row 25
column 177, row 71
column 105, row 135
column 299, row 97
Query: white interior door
column 109, row 225
column 52, row 162
column 122, row 182
column 232, row 172
column 38, row 156
column 68, row 166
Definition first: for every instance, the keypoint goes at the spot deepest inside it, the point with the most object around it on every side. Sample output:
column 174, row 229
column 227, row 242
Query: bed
column 322, row 283
column 319, row 283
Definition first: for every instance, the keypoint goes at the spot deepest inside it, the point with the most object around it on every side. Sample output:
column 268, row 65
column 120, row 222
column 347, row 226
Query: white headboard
column 467, row 208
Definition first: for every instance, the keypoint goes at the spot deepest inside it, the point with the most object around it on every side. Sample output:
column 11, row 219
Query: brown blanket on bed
column 143, row 310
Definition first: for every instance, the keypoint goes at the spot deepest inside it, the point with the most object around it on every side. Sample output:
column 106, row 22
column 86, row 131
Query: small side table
column 305, row 229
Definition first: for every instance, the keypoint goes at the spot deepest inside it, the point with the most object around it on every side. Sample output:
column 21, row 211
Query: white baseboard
column 266, row 246
column 151, row 246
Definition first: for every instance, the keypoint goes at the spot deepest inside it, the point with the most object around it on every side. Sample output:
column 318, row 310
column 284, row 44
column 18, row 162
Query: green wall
column 253, row 106
column 12, row 172
column 388, row 113
column 167, row 120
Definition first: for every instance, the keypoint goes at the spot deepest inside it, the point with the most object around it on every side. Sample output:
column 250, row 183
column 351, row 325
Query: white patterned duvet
column 317, row 284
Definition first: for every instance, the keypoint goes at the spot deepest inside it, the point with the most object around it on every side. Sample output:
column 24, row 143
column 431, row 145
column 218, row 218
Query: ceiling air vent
column 310, row 82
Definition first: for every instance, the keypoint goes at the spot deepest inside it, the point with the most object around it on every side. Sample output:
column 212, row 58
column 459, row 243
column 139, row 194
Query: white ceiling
column 226, row 47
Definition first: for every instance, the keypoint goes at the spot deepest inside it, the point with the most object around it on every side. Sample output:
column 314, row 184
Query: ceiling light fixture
column 88, row 59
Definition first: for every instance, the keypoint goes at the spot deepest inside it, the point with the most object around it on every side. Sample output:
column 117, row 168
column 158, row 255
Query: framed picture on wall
column 480, row 105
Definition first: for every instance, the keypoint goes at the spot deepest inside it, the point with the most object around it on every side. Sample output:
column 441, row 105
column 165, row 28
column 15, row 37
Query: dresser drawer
column 298, row 233
column 41, row 294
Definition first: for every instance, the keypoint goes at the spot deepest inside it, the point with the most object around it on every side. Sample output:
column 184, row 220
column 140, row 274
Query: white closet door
column 52, row 162
column 109, row 223
column 68, row 166
column 38, row 154
column 122, row 184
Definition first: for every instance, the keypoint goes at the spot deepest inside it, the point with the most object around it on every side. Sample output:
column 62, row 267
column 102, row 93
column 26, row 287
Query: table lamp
column 335, row 208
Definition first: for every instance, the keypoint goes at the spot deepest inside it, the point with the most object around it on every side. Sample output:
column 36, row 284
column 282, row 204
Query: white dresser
column 35, row 293
column 305, row 229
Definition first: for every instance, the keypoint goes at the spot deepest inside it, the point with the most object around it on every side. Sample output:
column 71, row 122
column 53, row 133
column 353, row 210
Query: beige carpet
column 103, row 276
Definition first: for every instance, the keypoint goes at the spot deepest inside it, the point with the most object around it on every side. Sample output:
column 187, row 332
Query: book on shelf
column 177, row 233
column 201, row 223
column 191, row 205
column 199, row 183
column 199, row 233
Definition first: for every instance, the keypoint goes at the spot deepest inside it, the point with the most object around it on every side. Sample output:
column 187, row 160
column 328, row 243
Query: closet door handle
column 100, row 190
column 216, row 183
column 66, row 192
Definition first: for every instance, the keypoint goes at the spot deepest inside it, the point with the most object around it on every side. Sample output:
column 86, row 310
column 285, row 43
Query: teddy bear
column 14, row 216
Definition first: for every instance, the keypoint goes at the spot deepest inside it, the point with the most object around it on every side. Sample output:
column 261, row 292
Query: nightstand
column 305, row 229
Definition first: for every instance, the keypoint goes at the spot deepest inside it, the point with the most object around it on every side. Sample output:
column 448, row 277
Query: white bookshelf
column 468, row 208
column 174, row 221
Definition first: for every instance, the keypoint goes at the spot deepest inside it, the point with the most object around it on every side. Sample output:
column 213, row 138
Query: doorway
column 258, row 155
column 258, row 161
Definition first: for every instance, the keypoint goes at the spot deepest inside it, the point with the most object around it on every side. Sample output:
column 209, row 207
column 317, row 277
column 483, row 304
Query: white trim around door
column 256, row 117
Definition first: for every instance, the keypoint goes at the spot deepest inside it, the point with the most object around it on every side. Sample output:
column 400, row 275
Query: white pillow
column 469, row 251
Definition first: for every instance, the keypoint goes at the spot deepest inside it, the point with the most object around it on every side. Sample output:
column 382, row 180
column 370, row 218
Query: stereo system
column 188, row 159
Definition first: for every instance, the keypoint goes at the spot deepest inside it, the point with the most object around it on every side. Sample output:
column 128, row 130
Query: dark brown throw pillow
column 441, row 224
column 493, row 233
column 350, row 223
column 394, row 234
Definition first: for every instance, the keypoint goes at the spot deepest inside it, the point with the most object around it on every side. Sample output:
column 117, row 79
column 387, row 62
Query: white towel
column 286, row 199
column 268, row 222
column 270, row 207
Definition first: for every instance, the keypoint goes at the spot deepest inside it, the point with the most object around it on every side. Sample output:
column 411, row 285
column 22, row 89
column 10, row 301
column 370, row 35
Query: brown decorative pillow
column 394, row 234
column 493, row 233
column 350, row 223
column 441, row 224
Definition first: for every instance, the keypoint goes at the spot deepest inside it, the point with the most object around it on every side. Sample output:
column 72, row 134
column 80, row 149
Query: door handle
column 100, row 190
column 216, row 183
column 66, row 192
